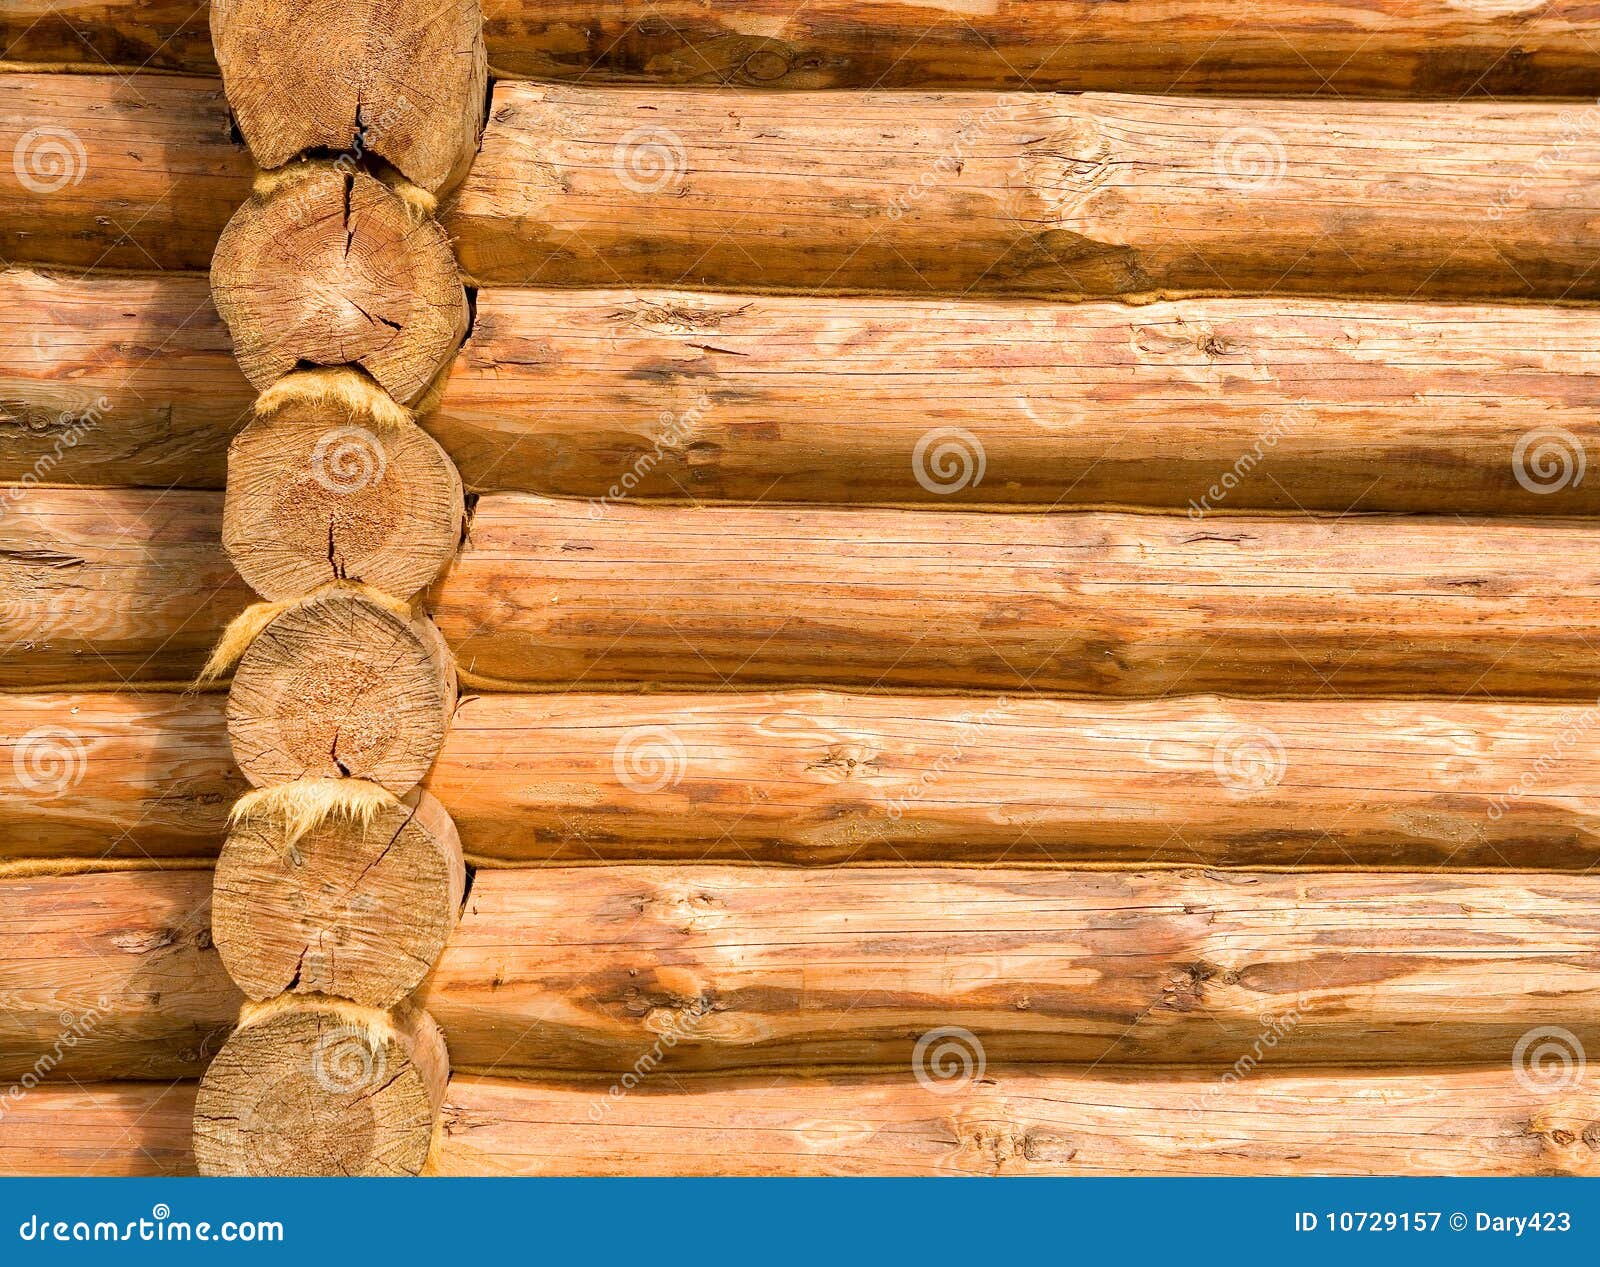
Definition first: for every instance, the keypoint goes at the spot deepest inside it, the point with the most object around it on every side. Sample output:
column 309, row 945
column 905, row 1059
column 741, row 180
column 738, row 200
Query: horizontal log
column 814, row 778
column 111, row 586
column 1277, row 404
column 1015, row 194
column 110, row 975
column 1340, row 404
column 551, row 592
column 1435, row 48
column 594, row 969
column 116, row 172
column 1014, row 1121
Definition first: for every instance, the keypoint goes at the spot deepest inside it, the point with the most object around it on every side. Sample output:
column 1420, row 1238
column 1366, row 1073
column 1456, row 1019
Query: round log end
column 322, row 1089
column 342, row 685
column 384, row 77
column 357, row 905
column 326, row 265
column 325, row 485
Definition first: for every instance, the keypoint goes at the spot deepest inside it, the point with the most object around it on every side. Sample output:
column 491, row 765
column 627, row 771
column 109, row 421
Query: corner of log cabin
column 876, row 581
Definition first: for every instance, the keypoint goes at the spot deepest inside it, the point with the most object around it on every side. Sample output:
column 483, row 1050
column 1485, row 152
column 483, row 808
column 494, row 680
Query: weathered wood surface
column 549, row 592
column 1014, row 194
column 1276, row 403
column 115, row 380
column 817, row 778
column 110, row 975
column 1295, row 403
column 111, row 586
column 1020, row 1121
column 115, row 775
column 116, row 172
column 1015, row 1120
column 99, row 1129
column 1424, row 48
column 124, row 586
column 712, row 967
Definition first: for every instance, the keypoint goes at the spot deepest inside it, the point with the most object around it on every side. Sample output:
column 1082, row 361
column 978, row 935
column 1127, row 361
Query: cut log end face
column 317, row 494
column 340, row 686
column 359, row 911
column 329, row 266
column 321, row 1090
column 398, row 80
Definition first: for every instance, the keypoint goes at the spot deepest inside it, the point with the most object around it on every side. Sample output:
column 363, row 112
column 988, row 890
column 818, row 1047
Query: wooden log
column 325, row 265
column 341, row 685
column 1022, row 1121
column 99, row 1129
column 1436, row 48
column 321, row 1089
column 1016, row 1120
column 115, row 380
column 373, row 77
column 110, row 587
column 816, row 778
column 1315, row 404
column 1281, row 403
column 109, row 975
column 549, row 592
column 332, row 481
column 600, row 968
column 358, row 907
column 616, row 969
column 111, row 172
column 1026, row 194
column 115, row 776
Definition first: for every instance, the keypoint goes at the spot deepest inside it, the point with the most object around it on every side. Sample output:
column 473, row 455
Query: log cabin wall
column 885, row 590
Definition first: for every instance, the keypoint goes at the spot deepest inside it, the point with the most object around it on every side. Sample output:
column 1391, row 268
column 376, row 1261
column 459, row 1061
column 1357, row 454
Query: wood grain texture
column 808, row 778
column 110, row 975
column 115, row 380
column 111, row 586
column 1320, row 404
column 1028, row 194
column 114, row 172
column 99, row 1129
column 1021, row 1121
column 1014, row 1121
column 115, row 775
column 1277, row 403
column 549, row 592
column 1424, row 48
column 597, row 969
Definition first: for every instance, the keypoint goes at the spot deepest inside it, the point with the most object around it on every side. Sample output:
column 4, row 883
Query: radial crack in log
column 333, row 482
column 321, row 1088
column 391, row 78
column 329, row 266
column 358, row 907
column 342, row 685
